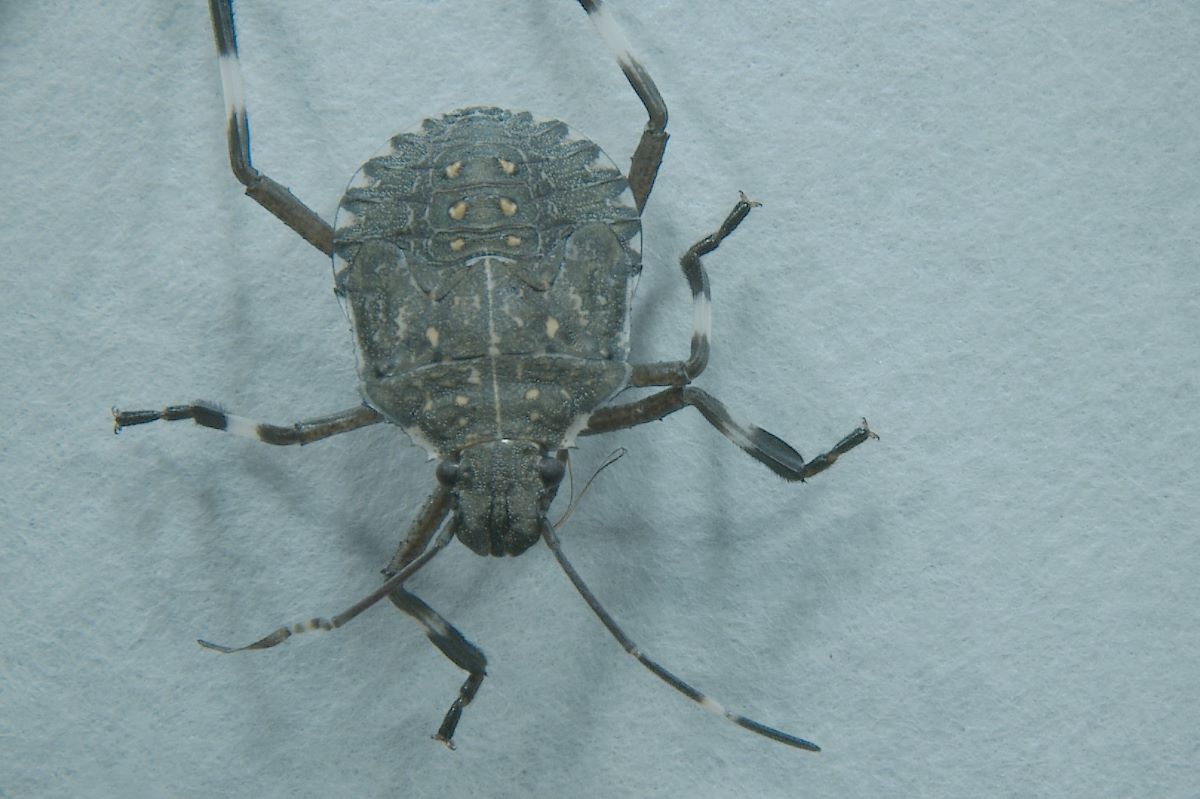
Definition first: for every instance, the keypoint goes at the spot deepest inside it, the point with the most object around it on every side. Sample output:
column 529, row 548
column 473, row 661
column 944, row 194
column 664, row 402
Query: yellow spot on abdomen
column 551, row 326
column 507, row 206
column 532, row 394
column 458, row 210
column 431, row 334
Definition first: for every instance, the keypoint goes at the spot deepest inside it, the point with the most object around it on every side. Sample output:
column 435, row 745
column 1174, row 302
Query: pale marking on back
column 401, row 323
column 344, row 218
column 493, row 348
column 387, row 150
column 362, row 180
column 418, row 438
column 581, row 420
column 340, row 264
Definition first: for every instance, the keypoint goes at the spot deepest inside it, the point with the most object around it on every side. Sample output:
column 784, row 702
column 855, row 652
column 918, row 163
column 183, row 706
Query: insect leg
column 679, row 373
column 420, row 532
column 768, row 449
column 442, row 633
column 453, row 645
column 205, row 415
column 283, row 633
column 670, row 679
column 273, row 196
column 649, row 153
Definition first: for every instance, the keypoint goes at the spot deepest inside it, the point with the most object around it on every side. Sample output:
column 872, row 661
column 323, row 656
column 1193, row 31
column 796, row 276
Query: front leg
column 273, row 196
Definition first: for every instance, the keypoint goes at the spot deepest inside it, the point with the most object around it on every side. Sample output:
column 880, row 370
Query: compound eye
column 447, row 473
column 551, row 471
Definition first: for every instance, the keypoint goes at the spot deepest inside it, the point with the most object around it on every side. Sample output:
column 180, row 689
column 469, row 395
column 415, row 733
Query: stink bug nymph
column 487, row 261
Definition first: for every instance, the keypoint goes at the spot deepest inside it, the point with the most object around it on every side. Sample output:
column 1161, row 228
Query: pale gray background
column 979, row 230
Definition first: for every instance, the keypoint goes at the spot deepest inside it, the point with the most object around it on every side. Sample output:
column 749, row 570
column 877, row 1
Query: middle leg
column 766, row 448
column 214, row 418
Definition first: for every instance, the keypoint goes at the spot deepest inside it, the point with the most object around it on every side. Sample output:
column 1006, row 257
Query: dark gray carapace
column 487, row 262
column 490, row 301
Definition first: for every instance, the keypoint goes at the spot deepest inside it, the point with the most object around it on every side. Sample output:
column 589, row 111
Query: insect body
column 487, row 262
column 490, row 299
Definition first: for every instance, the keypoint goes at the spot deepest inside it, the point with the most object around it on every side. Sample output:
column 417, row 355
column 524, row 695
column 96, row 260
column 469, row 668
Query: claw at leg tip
column 870, row 432
column 748, row 201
